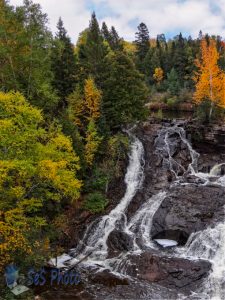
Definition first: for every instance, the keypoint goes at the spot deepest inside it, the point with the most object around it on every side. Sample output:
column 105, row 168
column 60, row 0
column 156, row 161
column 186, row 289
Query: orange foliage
column 93, row 99
column 210, row 80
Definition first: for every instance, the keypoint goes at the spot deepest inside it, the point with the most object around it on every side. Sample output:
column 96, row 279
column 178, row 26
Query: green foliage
column 142, row 44
column 173, row 84
column 159, row 114
column 63, row 64
column 25, row 54
column 95, row 202
column 37, row 167
column 93, row 141
column 91, row 54
column 202, row 112
column 124, row 92
column 172, row 102
column 111, row 167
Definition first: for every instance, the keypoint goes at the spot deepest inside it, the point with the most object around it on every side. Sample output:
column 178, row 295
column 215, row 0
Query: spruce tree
column 143, row 44
column 124, row 92
column 105, row 33
column 173, row 84
column 116, row 41
column 63, row 64
column 92, row 54
column 180, row 61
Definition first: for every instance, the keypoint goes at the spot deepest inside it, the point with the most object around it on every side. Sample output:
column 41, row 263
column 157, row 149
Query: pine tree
column 179, row 59
column 124, row 92
column 105, row 32
column 173, row 84
column 63, row 64
column 116, row 41
column 92, row 54
column 151, row 62
column 142, row 41
column 112, row 37
column 143, row 44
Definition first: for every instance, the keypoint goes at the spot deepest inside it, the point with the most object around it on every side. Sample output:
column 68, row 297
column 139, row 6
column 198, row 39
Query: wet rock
column 108, row 279
column 190, row 208
column 118, row 241
column 169, row 272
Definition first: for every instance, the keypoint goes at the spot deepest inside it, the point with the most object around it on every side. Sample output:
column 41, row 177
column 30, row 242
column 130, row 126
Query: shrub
column 95, row 202
column 159, row 114
column 172, row 102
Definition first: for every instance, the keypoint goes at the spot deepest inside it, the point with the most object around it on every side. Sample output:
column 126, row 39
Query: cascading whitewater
column 95, row 238
column 164, row 144
column 208, row 244
column 141, row 223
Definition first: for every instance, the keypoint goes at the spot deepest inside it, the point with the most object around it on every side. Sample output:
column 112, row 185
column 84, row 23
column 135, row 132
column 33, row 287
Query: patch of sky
column 102, row 9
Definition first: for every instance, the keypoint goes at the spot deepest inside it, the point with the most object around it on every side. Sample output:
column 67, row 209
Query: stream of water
column 208, row 244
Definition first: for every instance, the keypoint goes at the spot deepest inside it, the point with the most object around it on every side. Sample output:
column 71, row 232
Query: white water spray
column 96, row 236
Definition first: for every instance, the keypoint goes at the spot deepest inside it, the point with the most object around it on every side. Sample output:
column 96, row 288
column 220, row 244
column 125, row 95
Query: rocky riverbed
column 173, row 196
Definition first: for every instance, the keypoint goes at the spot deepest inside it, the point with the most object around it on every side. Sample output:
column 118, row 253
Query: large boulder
column 190, row 208
column 118, row 241
column 172, row 272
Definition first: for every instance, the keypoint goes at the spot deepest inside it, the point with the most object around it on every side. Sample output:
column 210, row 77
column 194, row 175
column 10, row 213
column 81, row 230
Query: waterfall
column 141, row 223
column 163, row 147
column 208, row 244
column 95, row 238
column 216, row 170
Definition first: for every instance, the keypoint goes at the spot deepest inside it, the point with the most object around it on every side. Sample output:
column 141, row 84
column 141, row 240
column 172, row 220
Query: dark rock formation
column 108, row 279
column 118, row 241
column 170, row 272
column 190, row 208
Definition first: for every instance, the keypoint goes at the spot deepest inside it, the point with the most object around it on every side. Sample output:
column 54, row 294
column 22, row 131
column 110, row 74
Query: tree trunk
column 211, row 110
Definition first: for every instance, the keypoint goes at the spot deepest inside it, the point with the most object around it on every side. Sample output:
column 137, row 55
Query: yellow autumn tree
column 92, row 102
column 209, row 78
column 38, row 170
column 158, row 75
column 92, row 99
column 84, row 112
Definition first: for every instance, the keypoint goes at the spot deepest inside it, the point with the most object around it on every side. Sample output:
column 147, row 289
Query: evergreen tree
column 25, row 53
column 92, row 54
column 151, row 62
column 143, row 44
column 112, row 37
column 63, row 64
column 173, row 84
column 116, row 41
column 124, row 92
column 105, row 33
column 142, row 41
